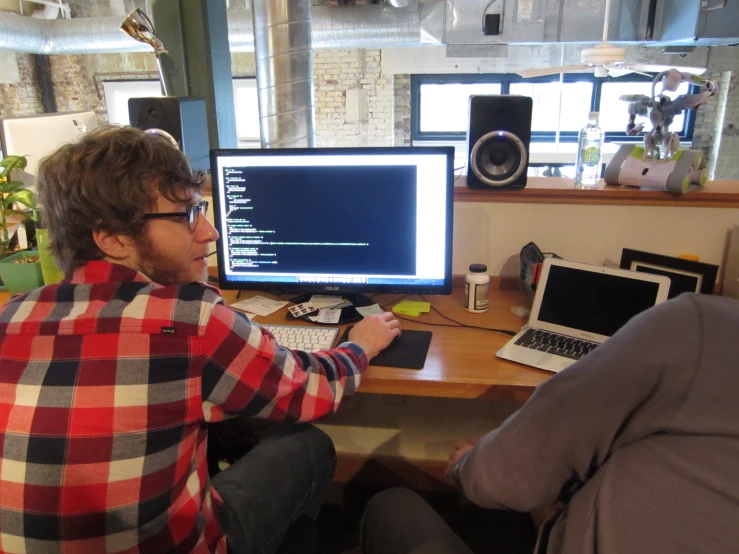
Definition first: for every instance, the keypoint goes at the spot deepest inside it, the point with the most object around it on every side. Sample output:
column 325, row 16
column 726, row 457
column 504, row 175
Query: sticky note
column 411, row 307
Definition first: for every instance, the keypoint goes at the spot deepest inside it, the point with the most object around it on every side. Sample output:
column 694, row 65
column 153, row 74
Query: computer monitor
column 37, row 136
column 335, row 220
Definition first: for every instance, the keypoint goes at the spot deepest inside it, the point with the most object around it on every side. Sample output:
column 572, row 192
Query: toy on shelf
column 661, row 163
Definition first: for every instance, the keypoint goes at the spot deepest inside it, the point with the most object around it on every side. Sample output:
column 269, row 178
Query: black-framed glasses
column 192, row 214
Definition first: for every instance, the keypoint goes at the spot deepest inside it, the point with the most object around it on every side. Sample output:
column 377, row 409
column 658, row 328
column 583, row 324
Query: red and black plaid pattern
column 106, row 383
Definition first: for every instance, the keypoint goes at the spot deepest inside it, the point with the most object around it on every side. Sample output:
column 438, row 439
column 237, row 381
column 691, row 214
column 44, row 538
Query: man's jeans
column 283, row 477
column 399, row 521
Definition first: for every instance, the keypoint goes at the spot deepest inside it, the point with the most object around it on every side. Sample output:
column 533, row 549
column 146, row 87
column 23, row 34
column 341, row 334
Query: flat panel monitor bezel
column 339, row 288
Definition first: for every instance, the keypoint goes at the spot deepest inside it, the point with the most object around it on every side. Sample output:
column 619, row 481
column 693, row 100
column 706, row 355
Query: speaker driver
column 498, row 158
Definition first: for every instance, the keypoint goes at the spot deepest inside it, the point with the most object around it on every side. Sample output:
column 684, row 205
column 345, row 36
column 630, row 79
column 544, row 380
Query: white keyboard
column 304, row 337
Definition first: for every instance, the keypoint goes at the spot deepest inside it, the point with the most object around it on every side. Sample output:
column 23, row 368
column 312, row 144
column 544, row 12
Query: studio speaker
column 184, row 119
column 498, row 141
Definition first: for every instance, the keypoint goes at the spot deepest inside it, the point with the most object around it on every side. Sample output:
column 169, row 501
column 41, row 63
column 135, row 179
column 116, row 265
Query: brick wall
column 727, row 163
column 73, row 89
column 402, row 110
column 335, row 72
column 722, row 113
column 23, row 98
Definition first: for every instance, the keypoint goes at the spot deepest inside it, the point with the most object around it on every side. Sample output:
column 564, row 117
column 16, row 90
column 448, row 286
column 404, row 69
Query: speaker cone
column 498, row 158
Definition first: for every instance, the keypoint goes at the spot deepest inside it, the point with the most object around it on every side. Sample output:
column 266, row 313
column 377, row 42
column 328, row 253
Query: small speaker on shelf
column 183, row 119
column 498, row 140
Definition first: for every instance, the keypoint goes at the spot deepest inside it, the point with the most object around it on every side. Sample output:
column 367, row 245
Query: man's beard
column 153, row 264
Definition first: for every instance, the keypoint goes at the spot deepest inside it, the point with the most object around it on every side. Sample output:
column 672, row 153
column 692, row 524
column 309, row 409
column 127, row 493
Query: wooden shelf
column 560, row 190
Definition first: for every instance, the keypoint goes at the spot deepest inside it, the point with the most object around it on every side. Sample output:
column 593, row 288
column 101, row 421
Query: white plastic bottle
column 476, row 289
column 589, row 154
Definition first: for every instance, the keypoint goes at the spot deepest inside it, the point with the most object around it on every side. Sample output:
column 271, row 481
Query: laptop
column 577, row 307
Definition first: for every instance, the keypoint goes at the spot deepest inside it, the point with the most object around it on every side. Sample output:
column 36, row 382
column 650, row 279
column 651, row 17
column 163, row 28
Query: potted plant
column 21, row 271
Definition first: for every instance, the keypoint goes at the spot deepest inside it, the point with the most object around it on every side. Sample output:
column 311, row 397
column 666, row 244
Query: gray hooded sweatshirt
column 639, row 440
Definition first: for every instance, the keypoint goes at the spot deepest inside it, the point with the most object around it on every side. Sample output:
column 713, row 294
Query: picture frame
column 685, row 275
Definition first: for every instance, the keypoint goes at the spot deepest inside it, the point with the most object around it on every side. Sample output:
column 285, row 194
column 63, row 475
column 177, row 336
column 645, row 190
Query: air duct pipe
column 85, row 35
column 369, row 26
column 284, row 56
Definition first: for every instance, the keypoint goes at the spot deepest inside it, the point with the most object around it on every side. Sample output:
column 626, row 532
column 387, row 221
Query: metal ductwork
column 284, row 59
column 88, row 35
column 369, row 26
column 345, row 27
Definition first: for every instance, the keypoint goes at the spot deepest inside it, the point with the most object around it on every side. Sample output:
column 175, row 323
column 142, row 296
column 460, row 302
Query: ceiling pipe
column 284, row 60
column 366, row 26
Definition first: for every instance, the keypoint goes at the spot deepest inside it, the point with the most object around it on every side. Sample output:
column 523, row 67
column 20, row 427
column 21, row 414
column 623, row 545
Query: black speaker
column 183, row 118
column 498, row 141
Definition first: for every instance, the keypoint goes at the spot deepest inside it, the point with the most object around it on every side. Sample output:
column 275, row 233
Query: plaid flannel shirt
column 106, row 382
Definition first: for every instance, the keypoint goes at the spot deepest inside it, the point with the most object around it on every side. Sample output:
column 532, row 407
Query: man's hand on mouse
column 375, row 332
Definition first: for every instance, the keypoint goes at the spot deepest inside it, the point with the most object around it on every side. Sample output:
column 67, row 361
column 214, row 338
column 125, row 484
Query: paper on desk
column 411, row 307
column 259, row 305
column 364, row 311
column 327, row 315
column 326, row 300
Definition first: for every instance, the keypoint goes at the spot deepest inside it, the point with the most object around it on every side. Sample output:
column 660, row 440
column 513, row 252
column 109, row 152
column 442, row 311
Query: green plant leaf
column 12, row 186
column 10, row 163
column 25, row 197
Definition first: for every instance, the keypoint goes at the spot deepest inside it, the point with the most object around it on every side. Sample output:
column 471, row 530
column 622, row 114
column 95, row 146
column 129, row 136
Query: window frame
column 506, row 79
column 243, row 141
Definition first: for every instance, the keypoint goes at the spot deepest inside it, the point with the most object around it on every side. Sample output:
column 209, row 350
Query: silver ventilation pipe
column 368, row 26
column 86, row 35
column 373, row 26
column 284, row 59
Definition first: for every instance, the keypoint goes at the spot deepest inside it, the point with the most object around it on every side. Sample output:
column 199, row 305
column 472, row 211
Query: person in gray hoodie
column 637, row 443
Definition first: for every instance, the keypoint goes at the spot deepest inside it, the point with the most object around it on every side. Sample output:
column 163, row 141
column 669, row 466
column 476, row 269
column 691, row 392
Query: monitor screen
column 37, row 136
column 593, row 301
column 335, row 220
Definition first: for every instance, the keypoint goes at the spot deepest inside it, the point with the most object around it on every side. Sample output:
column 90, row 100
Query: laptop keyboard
column 561, row 345
column 304, row 337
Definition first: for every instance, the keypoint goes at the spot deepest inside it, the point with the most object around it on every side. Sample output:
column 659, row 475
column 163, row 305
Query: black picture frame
column 685, row 275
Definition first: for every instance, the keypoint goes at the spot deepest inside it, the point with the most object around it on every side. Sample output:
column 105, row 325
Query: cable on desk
column 458, row 323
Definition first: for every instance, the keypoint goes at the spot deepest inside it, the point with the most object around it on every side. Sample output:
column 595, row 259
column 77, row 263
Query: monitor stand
column 348, row 314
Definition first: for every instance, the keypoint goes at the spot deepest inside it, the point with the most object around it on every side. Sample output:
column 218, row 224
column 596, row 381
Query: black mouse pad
column 408, row 350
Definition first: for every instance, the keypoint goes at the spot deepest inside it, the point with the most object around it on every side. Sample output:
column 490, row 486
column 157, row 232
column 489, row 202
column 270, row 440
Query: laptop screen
column 593, row 302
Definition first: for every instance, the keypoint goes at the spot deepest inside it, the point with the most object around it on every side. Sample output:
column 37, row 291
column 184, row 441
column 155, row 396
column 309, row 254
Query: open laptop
column 577, row 307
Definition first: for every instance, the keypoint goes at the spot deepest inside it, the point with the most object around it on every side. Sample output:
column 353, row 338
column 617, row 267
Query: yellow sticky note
column 410, row 307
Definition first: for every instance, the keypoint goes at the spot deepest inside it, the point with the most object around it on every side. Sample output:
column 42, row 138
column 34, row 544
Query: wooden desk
column 461, row 362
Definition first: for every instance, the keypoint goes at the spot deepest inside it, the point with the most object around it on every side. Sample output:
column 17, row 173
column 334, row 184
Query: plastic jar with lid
column 476, row 288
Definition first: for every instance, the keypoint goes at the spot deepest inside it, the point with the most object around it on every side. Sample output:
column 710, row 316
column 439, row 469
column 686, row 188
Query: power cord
column 458, row 323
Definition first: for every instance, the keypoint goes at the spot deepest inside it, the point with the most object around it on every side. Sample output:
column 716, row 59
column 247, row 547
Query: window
column 445, row 105
column 576, row 100
column 614, row 120
column 246, row 110
column 246, row 106
column 117, row 94
column 439, row 105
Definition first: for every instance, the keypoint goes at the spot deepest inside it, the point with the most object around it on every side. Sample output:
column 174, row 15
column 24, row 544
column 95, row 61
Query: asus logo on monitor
column 330, row 288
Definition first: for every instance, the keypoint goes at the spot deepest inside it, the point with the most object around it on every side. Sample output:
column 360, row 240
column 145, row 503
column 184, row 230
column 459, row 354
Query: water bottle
column 589, row 145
